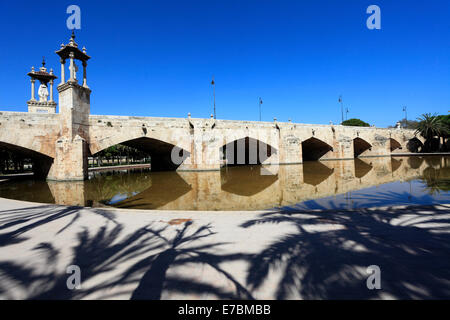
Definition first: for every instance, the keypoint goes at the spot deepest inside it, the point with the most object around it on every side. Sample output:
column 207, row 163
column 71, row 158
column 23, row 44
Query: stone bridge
column 60, row 150
column 60, row 143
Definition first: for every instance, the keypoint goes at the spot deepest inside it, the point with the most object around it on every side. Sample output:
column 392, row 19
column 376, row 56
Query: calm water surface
column 358, row 183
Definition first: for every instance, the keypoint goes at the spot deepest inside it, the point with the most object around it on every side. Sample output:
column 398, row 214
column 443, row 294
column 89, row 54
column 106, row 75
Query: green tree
column 119, row 150
column 445, row 119
column 406, row 124
column 355, row 123
column 429, row 127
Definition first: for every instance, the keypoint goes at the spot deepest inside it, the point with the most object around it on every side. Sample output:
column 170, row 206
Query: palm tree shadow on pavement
column 324, row 256
column 145, row 256
column 411, row 246
column 155, row 278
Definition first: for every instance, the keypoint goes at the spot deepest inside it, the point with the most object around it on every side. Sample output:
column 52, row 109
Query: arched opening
column 414, row 145
column 162, row 156
column 16, row 159
column 360, row 146
column 314, row 149
column 395, row 144
column 246, row 151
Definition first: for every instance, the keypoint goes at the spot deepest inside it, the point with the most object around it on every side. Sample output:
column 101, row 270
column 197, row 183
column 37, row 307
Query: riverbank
column 121, row 167
column 136, row 254
column 5, row 177
column 424, row 154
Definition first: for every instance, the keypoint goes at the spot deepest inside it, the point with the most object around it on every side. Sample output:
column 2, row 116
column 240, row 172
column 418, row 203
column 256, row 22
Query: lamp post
column 342, row 107
column 406, row 116
column 346, row 113
column 260, row 102
column 213, row 83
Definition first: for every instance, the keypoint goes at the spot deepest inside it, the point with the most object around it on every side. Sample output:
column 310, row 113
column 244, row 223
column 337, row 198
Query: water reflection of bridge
column 241, row 188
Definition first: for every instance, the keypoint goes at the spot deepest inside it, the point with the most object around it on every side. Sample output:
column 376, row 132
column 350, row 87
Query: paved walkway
column 135, row 254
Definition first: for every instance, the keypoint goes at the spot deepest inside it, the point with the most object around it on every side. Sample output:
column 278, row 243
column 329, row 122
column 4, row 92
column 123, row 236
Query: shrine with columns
column 44, row 104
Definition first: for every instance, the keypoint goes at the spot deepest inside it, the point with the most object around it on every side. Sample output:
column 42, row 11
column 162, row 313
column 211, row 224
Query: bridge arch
column 28, row 141
column 414, row 145
column 104, row 139
column 314, row 149
column 41, row 163
column 161, row 151
column 246, row 150
column 360, row 146
column 394, row 144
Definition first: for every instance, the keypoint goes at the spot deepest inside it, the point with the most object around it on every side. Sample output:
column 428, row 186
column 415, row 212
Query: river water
column 346, row 184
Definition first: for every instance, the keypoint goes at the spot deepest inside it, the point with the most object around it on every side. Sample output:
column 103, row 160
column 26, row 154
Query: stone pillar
column 71, row 67
column 84, row 75
column 70, row 163
column 71, row 149
column 290, row 147
column 63, row 71
column 203, row 147
column 343, row 142
column 32, row 90
column 74, row 107
column 51, row 90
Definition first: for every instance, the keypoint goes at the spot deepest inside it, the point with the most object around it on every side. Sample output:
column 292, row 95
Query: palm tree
column 429, row 127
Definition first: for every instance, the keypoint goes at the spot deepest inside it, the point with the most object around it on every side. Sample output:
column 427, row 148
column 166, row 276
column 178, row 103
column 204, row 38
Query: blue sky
column 156, row 58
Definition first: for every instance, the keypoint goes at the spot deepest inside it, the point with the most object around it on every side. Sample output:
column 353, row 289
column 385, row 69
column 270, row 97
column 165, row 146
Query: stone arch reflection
column 315, row 173
column 362, row 168
column 245, row 181
column 21, row 188
column 415, row 162
column 234, row 188
column 395, row 164
column 165, row 188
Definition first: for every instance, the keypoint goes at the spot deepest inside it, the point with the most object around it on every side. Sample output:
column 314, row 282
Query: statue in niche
column 75, row 70
column 43, row 93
